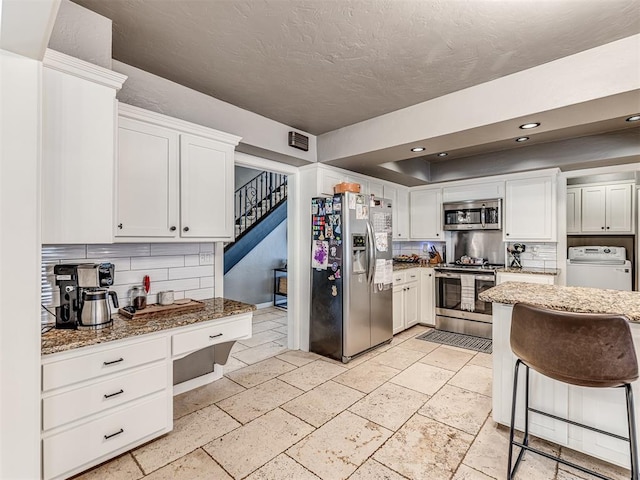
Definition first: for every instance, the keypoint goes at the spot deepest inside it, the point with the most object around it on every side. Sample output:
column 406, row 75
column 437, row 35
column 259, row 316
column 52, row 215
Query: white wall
column 251, row 280
column 20, row 95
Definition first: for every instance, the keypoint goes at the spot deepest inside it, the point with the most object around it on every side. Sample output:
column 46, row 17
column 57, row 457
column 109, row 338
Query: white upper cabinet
column 78, row 161
column 530, row 209
column 601, row 209
column 175, row 179
column 206, row 170
column 399, row 197
column 473, row 190
column 574, row 204
column 426, row 214
column 148, row 175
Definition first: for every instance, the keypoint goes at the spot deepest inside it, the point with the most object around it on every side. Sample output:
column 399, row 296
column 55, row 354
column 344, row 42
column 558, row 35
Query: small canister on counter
column 165, row 298
column 138, row 297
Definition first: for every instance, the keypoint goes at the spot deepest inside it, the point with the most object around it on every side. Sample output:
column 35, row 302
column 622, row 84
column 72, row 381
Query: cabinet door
column 78, row 119
column 594, row 209
column 427, row 296
column 327, row 181
column 398, row 308
column 376, row 189
column 401, row 219
column 411, row 305
column 530, row 209
column 206, row 188
column 147, row 190
column 574, row 199
column 618, row 213
column 425, row 214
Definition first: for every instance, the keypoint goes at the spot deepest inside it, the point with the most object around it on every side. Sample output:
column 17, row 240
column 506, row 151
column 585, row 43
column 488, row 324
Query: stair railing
column 257, row 197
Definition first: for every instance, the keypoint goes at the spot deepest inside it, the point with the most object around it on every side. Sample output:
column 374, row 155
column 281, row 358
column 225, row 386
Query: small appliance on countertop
column 84, row 295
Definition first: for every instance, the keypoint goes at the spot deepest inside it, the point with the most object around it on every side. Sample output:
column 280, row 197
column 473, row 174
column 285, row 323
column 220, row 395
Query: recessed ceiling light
column 417, row 149
column 443, row 154
column 530, row 125
column 522, row 139
column 633, row 118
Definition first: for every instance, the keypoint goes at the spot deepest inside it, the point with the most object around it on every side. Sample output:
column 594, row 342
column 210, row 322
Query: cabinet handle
column 173, row 229
column 437, row 234
column 507, row 234
column 107, row 437
column 607, row 228
column 113, row 394
column 602, row 228
column 113, row 361
column 186, row 229
column 120, row 226
column 215, row 336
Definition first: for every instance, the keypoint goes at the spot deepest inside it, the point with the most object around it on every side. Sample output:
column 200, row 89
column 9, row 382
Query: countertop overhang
column 56, row 341
column 568, row 299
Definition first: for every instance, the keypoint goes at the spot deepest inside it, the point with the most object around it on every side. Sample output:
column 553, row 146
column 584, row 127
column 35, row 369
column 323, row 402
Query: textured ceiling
column 319, row 65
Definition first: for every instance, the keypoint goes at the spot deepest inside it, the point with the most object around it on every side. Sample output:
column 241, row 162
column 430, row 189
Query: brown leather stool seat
column 589, row 350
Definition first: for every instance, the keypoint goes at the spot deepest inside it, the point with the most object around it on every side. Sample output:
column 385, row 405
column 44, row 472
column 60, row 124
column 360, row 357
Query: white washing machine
column 599, row 267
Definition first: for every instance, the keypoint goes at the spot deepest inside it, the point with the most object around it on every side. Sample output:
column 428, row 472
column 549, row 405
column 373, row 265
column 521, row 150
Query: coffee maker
column 84, row 295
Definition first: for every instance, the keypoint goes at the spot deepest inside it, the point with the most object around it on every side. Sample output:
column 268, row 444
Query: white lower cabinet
column 405, row 299
column 603, row 408
column 102, row 400
column 427, row 296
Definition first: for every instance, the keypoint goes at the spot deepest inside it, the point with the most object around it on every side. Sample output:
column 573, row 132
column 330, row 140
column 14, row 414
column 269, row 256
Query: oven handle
column 457, row 275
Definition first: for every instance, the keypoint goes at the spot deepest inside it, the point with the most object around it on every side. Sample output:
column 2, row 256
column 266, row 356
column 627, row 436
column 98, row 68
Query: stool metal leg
column 513, row 418
column 512, row 471
column 633, row 443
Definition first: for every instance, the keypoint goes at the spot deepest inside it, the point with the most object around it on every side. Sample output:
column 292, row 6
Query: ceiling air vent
column 297, row 140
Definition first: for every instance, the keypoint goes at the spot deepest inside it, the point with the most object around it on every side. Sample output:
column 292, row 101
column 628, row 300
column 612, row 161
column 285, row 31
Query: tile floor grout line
column 214, row 460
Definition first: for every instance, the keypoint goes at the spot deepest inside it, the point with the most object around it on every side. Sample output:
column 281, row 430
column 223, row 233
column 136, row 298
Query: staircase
column 260, row 206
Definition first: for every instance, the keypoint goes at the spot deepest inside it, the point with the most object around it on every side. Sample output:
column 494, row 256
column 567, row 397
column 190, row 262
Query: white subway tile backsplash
column 208, row 247
column 136, row 276
column 191, row 260
column 119, row 250
column 175, row 249
column 190, row 272
column 165, row 261
column 174, row 267
column 62, row 252
column 183, row 284
column 199, row 294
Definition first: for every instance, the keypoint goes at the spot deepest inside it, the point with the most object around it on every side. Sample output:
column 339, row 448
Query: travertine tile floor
column 408, row 410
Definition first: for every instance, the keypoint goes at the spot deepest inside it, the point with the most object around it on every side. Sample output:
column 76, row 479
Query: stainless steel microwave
column 473, row 215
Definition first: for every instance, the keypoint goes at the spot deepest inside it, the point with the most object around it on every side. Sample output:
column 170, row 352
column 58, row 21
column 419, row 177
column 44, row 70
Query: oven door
column 449, row 296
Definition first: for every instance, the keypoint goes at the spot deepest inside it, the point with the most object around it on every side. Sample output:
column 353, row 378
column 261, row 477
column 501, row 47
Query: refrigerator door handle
column 371, row 254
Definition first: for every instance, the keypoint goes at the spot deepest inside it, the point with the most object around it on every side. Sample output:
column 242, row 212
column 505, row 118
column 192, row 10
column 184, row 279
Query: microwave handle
column 483, row 215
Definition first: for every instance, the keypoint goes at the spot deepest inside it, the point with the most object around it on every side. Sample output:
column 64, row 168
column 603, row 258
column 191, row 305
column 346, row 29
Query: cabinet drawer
column 398, row 278
column 187, row 342
column 411, row 276
column 78, row 446
column 75, row 404
column 92, row 365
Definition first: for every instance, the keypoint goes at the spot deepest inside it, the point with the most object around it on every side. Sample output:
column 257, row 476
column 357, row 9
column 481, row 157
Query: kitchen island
column 601, row 408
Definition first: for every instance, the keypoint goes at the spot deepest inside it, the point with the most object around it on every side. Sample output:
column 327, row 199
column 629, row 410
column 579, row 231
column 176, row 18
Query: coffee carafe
column 83, row 296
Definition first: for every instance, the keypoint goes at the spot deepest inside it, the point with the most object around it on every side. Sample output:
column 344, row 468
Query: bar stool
column 585, row 349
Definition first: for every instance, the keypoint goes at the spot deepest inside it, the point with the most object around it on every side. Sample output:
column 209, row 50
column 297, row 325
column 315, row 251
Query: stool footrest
column 571, row 422
column 553, row 457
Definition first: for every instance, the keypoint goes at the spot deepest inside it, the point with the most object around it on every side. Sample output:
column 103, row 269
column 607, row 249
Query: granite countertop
column 397, row 266
column 530, row 270
column 569, row 299
column 56, row 341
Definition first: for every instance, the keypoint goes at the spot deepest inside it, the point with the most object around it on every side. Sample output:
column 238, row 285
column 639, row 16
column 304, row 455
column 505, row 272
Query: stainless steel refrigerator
column 351, row 279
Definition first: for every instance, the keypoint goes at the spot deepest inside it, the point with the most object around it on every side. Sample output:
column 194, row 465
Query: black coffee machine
column 83, row 295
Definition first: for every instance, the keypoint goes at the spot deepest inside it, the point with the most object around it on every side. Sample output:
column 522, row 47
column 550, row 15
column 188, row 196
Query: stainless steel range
column 458, row 308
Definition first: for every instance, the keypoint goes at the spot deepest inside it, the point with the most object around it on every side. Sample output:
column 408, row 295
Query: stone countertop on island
column 61, row 340
column 397, row 266
column 568, row 299
column 530, row 270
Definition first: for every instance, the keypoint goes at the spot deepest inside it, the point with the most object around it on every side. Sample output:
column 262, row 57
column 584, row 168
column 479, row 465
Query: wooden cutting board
column 155, row 310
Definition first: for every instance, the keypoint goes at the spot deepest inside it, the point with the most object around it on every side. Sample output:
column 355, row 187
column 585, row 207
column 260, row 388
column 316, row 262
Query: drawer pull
column 107, row 437
column 113, row 361
column 113, row 394
column 215, row 336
